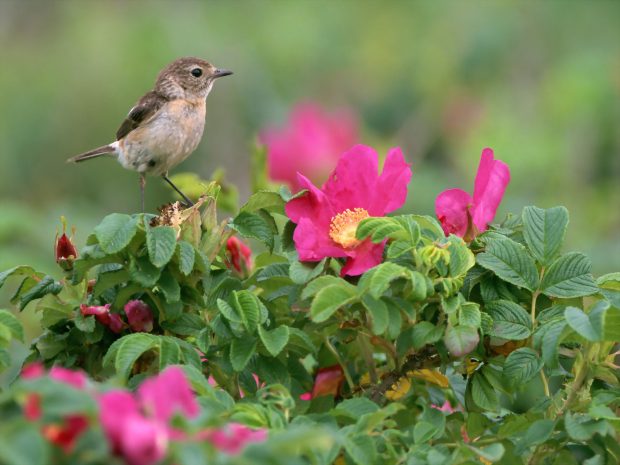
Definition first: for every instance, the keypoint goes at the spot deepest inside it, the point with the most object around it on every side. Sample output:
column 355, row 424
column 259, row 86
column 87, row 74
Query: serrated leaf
column 510, row 321
column 330, row 299
column 510, row 261
column 321, row 282
column 378, row 311
column 274, row 340
column 591, row 329
column 483, row 393
column 115, row 232
column 461, row 258
column 46, row 286
column 469, row 315
column 581, row 427
column 361, row 449
column 302, row 272
column 169, row 286
column 551, row 341
column 241, row 350
column 169, row 352
column 247, row 306
column 544, row 231
column 491, row 453
column 355, row 408
column 569, row 276
column 612, row 324
column 461, row 340
column 424, row 333
column 537, row 433
column 17, row 271
column 12, row 323
column 383, row 275
column 129, row 351
column 143, row 272
column 267, row 200
column 521, row 366
column 256, row 226
column 161, row 242
column 187, row 257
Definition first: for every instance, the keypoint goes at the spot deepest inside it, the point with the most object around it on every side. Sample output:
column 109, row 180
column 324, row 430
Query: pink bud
column 139, row 316
column 239, row 256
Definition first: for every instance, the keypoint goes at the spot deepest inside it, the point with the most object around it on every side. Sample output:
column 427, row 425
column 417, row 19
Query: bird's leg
column 188, row 202
column 142, row 184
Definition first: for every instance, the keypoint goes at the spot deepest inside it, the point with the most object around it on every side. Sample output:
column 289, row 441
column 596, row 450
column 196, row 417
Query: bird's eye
column 196, row 72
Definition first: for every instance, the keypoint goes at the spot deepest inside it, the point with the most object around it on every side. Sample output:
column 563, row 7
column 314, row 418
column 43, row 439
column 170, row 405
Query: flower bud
column 65, row 250
column 139, row 316
column 238, row 256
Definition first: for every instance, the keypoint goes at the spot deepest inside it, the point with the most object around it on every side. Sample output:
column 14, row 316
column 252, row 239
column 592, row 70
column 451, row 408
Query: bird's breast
column 167, row 139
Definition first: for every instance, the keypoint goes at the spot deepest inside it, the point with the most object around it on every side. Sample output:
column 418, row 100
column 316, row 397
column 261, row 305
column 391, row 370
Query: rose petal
column 362, row 258
column 491, row 180
column 451, row 210
column 392, row 185
column 144, row 441
column 168, row 393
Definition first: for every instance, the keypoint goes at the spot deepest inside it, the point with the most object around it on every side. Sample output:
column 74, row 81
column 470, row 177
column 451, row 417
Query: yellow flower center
column 343, row 226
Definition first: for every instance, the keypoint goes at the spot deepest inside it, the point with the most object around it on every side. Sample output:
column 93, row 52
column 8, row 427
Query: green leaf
column 274, row 340
column 612, row 324
column 21, row 443
column 12, row 323
column 115, row 232
column 46, row 286
column 161, row 242
column 361, row 449
column 581, row 427
column 330, row 299
column 321, row 282
column 469, row 315
column 378, row 312
column 302, row 272
column 169, row 286
column 143, row 272
column 169, row 352
column 267, row 200
column 255, row 225
column 544, row 231
column 591, row 329
column 248, row 308
column 491, row 453
column 429, row 226
column 609, row 285
column 187, row 324
column 551, row 339
column 483, row 393
column 537, row 433
column 569, row 276
column 241, row 350
column 21, row 270
column 461, row 258
column 510, row 321
column 424, row 333
column 129, row 351
column 187, row 257
column 521, row 366
column 461, row 340
column 510, row 261
column 356, row 407
column 383, row 275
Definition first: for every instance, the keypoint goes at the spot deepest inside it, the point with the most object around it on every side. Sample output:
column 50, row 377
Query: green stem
column 366, row 351
column 347, row 375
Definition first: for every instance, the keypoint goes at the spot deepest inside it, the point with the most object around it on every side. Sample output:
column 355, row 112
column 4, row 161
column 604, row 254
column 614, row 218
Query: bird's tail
column 109, row 149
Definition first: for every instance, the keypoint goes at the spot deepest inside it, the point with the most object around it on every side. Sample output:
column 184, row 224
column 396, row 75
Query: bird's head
column 189, row 77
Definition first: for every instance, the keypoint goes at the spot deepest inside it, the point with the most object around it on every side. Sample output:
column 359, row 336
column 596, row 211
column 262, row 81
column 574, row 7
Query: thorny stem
column 533, row 317
column 347, row 375
column 576, row 385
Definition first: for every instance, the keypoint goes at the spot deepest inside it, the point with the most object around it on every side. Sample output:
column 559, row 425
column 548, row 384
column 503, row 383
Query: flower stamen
column 343, row 226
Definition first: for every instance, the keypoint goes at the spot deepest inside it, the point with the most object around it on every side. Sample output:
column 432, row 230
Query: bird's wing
column 144, row 110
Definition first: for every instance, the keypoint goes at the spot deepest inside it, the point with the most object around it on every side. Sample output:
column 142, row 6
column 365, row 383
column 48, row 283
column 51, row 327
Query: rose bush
column 313, row 329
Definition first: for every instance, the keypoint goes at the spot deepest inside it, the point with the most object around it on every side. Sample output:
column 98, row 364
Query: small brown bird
column 166, row 124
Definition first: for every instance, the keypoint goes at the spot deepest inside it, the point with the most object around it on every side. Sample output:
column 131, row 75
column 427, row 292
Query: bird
column 166, row 124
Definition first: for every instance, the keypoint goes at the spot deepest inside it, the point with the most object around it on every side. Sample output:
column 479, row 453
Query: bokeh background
column 537, row 81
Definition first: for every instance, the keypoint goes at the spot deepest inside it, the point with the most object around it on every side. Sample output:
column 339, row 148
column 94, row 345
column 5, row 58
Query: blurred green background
column 539, row 82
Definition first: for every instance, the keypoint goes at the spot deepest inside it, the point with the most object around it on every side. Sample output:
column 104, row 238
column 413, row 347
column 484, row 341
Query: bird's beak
column 221, row 73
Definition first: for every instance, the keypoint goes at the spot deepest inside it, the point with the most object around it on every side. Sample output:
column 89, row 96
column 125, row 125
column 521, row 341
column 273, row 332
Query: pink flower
column 445, row 407
column 139, row 316
column 327, row 218
column 238, row 256
column 465, row 216
column 65, row 433
column 104, row 316
column 137, row 426
column 233, row 437
column 311, row 143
